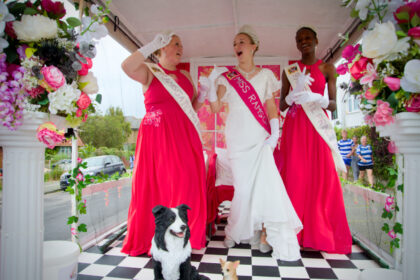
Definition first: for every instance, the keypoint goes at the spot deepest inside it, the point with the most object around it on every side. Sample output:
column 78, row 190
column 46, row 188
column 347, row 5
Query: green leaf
column 400, row 188
column 384, row 214
column 30, row 11
column 44, row 101
column 403, row 16
column 82, row 228
column 398, row 228
column 98, row 98
column 415, row 20
column 72, row 219
column 73, row 22
column 401, row 33
column 393, row 101
column 385, row 228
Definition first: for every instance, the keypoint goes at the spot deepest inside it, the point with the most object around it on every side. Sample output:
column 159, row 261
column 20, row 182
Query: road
column 105, row 210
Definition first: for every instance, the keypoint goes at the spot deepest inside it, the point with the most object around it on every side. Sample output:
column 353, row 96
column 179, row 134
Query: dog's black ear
column 183, row 207
column 158, row 209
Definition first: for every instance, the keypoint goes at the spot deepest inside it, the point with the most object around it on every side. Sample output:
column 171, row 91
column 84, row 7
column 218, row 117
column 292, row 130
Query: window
column 334, row 115
column 353, row 103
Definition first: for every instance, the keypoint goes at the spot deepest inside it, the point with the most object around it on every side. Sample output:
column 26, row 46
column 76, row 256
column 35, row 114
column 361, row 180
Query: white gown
column 260, row 196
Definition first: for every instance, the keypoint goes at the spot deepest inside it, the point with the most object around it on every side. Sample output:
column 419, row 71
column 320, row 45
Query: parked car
column 108, row 164
column 64, row 164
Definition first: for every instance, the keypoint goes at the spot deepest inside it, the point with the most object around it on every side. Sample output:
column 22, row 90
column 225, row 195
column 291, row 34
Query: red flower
column 342, row 69
column 85, row 66
column 358, row 69
column 84, row 101
column 409, row 9
column 413, row 104
column 350, row 52
column 9, row 30
column 54, row 8
column 414, row 32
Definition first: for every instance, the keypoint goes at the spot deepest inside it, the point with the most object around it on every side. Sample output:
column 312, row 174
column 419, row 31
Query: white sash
column 318, row 119
column 175, row 90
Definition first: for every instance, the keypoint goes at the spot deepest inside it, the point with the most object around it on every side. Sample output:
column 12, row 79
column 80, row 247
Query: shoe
column 229, row 243
column 265, row 247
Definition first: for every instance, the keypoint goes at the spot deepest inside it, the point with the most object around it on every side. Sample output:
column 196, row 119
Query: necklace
column 246, row 74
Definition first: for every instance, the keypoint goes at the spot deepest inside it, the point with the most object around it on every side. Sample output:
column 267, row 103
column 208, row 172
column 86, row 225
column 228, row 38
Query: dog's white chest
column 173, row 258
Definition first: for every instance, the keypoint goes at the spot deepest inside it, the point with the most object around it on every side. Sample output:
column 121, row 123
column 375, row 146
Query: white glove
column 275, row 133
column 217, row 71
column 308, row 96
column 158, row 42
column 303, row 79
column 204, row 89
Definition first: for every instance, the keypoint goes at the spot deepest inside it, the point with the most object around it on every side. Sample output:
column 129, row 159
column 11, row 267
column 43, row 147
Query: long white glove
column 217, row 71
column 275, row 133
column 303, row 79
column 308, row 96
column 160, row 40
column 293, row 96
column 204, row 89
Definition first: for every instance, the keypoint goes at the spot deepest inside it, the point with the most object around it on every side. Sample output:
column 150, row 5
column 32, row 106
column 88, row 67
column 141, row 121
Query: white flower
column 35, row 28
column 411, row 80
column 63, row 98
column 4, row 13
column 382, row 43
column 95, row 31
column 363, row 7
column 91, row 84
column 94, row 9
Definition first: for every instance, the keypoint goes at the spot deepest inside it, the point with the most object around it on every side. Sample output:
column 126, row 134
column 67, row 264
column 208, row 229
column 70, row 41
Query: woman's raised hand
column 160, row 41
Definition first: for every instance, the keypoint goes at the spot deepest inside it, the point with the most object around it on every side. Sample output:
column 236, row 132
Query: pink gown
column 169, row 168
column 309, row 174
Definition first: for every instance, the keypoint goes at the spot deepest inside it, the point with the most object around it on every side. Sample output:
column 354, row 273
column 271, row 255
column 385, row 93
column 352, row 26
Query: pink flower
column 343, row 69
column 388, row 203
column 392, row 148
column 85, row 117
column 350, row 52
column 369, row 120
column 370, row 75
column 413, row 104
column 84, row 101
column 80, row 177
column 409, row 9
column 53, row 77
column 393, row 83
column 48, row 134
column 54, row 8
column 79, row 160
column 84, row 203
column 414, row 32
column 79, row 113
column 371, row 93
column 73, row 231
column 392, row 234
column 358, row 69
column 383, row 115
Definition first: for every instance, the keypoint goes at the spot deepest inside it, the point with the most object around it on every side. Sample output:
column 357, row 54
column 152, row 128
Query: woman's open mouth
column 239, row 53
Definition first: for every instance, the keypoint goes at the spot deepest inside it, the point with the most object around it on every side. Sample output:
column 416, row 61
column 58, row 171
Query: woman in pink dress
column 305, row 160
column 169, row 164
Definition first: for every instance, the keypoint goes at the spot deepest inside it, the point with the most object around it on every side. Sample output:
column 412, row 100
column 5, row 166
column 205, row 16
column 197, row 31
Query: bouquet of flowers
column 385, row 68
column 45, row 62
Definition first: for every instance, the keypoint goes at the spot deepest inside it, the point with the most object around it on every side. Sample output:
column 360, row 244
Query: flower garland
column 385, row 67
column 45, row 62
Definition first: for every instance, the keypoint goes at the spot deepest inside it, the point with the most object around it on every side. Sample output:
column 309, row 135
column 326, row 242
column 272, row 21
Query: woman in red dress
column 305, row 160
column 169, row 164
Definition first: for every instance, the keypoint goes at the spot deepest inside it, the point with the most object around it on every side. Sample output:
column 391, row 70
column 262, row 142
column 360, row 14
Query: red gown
column 309, row 174
column 169, row 168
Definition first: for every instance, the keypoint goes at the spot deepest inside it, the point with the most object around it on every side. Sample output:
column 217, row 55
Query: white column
column 406, row 134
column 22, row 230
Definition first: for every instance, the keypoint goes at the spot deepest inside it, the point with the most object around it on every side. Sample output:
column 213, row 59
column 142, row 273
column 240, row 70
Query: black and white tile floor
column 113, row 265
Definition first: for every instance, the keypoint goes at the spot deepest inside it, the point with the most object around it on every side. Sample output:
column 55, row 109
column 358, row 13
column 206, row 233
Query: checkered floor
column 113, row 265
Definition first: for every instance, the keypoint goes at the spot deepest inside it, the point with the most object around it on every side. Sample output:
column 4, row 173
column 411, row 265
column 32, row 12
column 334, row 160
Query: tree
column 110, row 131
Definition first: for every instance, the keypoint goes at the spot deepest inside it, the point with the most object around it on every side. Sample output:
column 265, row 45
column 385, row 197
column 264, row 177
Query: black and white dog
column 171, row 248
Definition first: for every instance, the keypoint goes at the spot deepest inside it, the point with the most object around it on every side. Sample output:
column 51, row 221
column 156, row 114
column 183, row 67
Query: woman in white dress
column 261, row 212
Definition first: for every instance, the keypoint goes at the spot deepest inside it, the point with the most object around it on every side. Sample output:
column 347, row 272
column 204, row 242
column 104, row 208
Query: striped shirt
column 345, row 147
column 366, row 153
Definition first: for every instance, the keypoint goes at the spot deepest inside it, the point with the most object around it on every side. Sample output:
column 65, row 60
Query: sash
column 175, row 90
column 248, row 95
column 318, row 119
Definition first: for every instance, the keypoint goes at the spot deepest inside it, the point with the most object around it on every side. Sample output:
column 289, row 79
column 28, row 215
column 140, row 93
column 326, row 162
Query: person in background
column 364, row 152
column 169, row 164
column 344, row 145
column 354, row 159
column 131, row 161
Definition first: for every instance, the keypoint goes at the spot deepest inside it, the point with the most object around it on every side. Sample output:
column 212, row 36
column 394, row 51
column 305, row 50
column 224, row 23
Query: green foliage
column 87, row 151
column 53, row 175
column 110, row 131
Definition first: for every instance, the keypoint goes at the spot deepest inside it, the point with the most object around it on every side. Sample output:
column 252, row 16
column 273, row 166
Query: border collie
column 171, row 248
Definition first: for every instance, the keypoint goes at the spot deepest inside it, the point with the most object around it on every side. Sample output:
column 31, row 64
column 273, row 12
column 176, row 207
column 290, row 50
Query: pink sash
column 248, row 95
